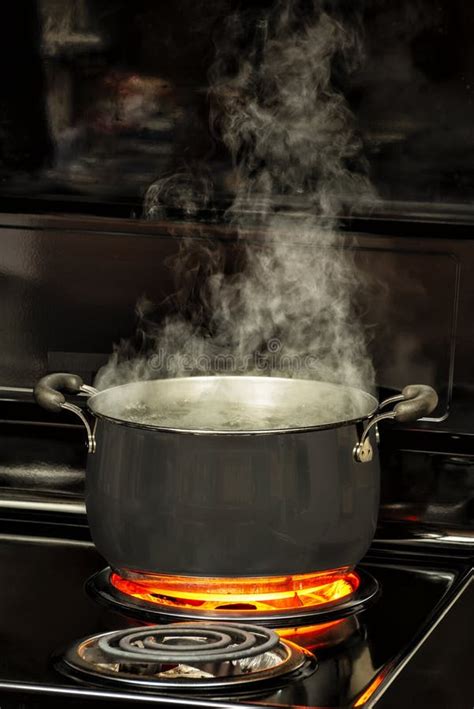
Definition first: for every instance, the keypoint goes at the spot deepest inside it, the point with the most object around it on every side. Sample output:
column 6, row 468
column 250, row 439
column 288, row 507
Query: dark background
column 101, row 98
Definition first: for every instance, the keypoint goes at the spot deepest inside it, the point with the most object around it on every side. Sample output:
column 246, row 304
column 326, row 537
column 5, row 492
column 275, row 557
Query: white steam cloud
column 291, row 137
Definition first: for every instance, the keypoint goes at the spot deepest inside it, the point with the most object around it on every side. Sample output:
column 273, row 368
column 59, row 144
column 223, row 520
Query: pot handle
column 49, row 395
column 415, row 401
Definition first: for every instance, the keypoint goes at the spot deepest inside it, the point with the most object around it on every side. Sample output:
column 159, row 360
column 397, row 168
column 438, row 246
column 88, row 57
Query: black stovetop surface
column 44, row 607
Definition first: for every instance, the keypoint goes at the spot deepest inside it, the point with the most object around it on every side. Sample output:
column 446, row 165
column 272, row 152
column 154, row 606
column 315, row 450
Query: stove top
column 358, row 661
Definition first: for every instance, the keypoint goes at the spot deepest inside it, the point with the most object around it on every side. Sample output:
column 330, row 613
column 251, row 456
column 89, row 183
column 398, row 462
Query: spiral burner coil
column 188, row 642
column 196, row 655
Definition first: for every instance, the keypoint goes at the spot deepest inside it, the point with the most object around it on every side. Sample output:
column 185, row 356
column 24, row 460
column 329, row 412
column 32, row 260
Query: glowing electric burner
column 275, row 593
column 275, row 601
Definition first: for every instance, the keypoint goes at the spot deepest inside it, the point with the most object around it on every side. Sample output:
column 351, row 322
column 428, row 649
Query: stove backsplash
column 71, row 286
column 120, row 96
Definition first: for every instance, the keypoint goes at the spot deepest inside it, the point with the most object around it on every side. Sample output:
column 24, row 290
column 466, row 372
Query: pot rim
column 232, row 433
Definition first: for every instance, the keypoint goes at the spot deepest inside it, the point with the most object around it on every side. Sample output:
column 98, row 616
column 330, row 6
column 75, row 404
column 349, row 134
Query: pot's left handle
column 48, row 393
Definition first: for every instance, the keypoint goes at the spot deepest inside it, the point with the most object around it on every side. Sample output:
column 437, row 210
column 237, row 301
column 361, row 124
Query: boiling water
column 229, row 416
column 233, row 403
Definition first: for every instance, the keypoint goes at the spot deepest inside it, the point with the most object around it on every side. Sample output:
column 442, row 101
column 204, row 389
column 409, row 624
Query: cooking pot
column 232, row 476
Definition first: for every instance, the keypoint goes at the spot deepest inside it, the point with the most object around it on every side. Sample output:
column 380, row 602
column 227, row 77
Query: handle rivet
column 363, row 452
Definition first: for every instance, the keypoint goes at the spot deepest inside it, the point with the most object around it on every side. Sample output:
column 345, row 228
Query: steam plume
column 291, row 135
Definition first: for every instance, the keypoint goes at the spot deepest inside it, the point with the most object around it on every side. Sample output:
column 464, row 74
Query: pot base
column 275, row 601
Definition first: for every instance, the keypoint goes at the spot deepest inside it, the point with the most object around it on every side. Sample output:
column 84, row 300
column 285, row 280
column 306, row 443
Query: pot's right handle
column 415, row 401
column 49, row 395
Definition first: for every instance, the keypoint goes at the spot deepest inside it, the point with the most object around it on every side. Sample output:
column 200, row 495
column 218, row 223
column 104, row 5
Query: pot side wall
column 229, row 505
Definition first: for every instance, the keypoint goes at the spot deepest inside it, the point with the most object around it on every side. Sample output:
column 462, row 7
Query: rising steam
column 291, row 137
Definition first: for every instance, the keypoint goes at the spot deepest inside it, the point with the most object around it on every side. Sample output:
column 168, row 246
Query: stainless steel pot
column 290, row 485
